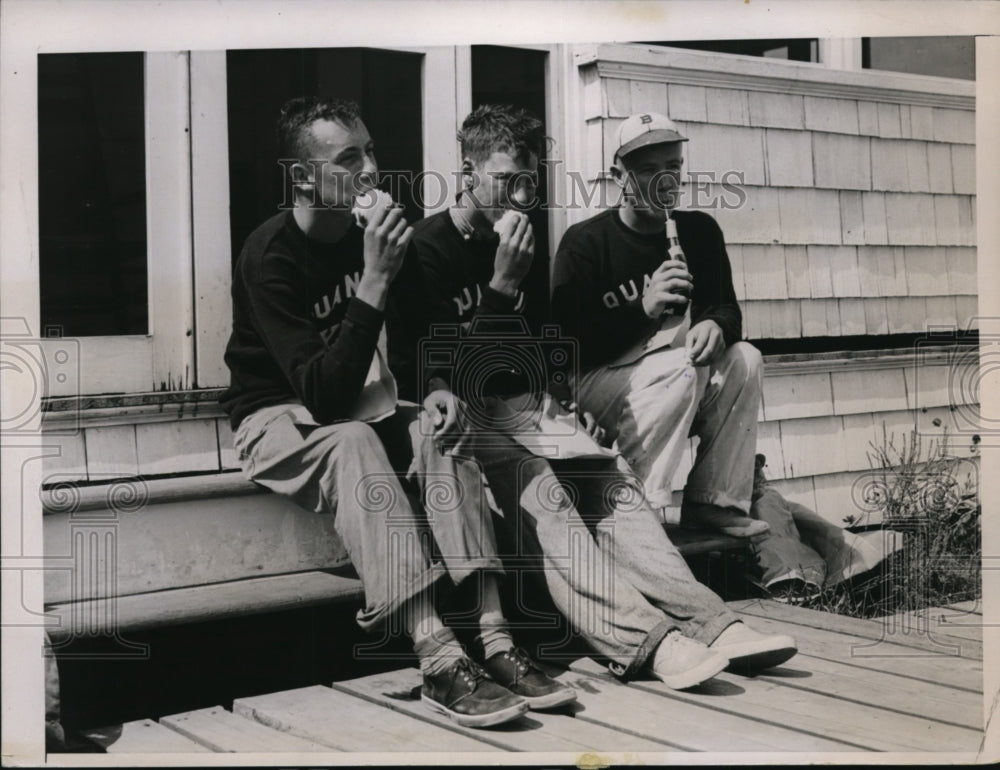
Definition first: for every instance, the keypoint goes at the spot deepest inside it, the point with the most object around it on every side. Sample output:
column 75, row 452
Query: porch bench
column 137, row 554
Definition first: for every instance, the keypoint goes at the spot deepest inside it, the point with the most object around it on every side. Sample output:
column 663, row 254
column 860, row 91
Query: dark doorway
column 793, row 49
column 385, row 84
column 517, row 76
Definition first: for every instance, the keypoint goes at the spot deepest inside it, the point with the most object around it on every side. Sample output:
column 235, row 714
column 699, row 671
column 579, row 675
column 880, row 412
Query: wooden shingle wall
column 820, row 431
column 855, row 216
column 107, row 446
column 858, row 218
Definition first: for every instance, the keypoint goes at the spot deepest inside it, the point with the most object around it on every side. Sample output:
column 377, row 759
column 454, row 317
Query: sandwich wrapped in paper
column 508, row 215
column 366, row 204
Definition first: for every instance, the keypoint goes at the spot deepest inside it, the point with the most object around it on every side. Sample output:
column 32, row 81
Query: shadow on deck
column 906, row 684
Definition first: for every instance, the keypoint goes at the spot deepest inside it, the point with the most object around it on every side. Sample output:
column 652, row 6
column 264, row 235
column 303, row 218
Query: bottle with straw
column 674, row 251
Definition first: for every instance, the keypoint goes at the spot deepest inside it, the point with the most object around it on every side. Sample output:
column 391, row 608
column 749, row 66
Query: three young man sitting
column 326, row 316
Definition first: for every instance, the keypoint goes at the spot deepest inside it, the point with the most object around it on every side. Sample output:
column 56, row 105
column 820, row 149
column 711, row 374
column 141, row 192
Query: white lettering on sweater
column 325, row 305
column 329, row 334
column 463, row 302
column 629, row 292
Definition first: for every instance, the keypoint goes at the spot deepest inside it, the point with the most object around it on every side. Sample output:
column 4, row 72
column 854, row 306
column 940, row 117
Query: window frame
column 189, row 249
column 161, row 359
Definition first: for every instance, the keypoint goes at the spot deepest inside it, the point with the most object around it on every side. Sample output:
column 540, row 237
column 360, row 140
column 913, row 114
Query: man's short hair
column 298, row 115
column 501, row 128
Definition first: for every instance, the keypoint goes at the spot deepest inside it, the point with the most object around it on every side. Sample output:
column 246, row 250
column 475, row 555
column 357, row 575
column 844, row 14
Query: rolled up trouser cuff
column 461, row 569
column 374, row 618
column 712, row 629
column 643, row 653
column 716, row 497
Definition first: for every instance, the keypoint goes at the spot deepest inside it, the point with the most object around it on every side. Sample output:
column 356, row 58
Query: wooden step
column 231, row 599
column 165, row 534
column 154, row 491
column 606, row 704
column 959, row 673
column 557, row 730
column 797, row 719
column 941, row 703
column 971, row 607
column 143, row 736
column 183, row 543
column 221, row 730
column 695, row 723
column 335, row 719
column 946, row 625
column 873, row 630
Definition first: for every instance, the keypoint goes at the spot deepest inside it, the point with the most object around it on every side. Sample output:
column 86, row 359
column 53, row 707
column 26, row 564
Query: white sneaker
column 751, row 650
column 680, row 662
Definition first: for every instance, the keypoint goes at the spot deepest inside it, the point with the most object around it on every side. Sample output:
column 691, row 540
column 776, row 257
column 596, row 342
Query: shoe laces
column 678, row 639
column 470, row 672
column 521, row 659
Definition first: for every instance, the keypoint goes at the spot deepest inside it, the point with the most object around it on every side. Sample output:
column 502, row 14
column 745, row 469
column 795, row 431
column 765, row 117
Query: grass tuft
column 931, row 496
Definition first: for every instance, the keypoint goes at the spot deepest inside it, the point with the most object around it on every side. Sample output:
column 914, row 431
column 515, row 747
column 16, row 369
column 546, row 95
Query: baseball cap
column 644, row 129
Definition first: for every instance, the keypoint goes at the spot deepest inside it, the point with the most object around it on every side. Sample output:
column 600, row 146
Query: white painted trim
column 439, row 91
column 118, row 364
column 555, row 122
column 574, row 140
column 20, row 309
column 463, row 83
column 212, row 249
column 94, row 497
column 841, row 53
column 750, row 73
column 777, row 366
column 165, row 408
column 58, row 422
column 168, row 216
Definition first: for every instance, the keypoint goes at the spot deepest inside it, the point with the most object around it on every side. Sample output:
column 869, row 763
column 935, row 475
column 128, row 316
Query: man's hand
column 705, row 342
column 670, row 284
column 443, row 407
column 514, row 254
column 590, row 424
column 386, row 237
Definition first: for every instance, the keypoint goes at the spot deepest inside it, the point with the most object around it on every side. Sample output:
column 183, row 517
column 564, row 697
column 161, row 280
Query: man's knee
column 421, row 429
column 357, row 438
column 747, row 360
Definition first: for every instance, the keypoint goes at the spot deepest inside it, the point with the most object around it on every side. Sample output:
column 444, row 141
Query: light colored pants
column 652, row 406
column 353, row 470
column 584, row 528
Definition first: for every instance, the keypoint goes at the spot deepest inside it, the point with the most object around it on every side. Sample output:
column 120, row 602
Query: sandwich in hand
column 508, row 215
column 368, row 203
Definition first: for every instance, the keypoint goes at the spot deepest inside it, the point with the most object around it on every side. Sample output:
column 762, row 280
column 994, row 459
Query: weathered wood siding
column 858, row 219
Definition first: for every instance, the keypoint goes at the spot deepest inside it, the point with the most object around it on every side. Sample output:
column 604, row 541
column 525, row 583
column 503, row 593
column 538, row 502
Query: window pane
column 385, row 84
column 92, row 193
column 947, row 57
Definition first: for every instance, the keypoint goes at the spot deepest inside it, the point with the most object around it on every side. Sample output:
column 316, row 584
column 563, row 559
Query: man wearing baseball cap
column 648, row 292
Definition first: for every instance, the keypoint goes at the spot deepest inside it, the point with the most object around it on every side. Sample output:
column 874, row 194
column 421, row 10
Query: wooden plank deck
column 855, row 686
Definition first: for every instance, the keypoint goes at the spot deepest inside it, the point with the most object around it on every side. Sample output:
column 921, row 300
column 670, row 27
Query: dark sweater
column 298, row 331
column 457, row 273
column 455, row 277
column 600, row 270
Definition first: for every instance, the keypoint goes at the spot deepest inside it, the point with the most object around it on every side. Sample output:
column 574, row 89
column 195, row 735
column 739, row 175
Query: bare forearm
column 374, row 289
